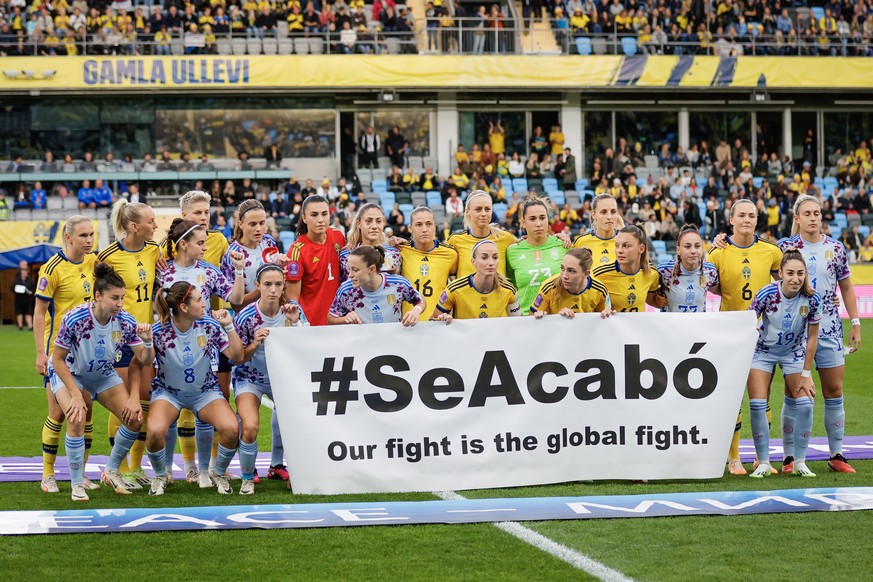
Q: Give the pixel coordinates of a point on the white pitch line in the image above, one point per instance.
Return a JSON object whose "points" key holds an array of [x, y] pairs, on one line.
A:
{"points": [[541, 542], [22, 387]]}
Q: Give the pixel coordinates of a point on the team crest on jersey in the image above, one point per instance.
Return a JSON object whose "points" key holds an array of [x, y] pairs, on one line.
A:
{"points": [[829, 255], [804, 310], [702, 281], [389, 264], [100, 352], [86, 287], [424, 270], [201, 341], [747, 273], [786, 322], [392, 299], [554, 254], [142, 276], [538, 255], [336, 247], [201, 279], [116, 337], [631, 298]]}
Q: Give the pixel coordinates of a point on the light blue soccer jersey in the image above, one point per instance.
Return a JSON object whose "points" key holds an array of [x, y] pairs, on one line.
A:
{"points": [[184, 360], [249, 320], [783, 321], [827, 265], [94, 348], [381, 306], [206, 277], [254, 258], [686, 292]]}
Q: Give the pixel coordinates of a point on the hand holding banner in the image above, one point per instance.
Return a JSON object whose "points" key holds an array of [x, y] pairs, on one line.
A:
{"points": [[509, 402]]}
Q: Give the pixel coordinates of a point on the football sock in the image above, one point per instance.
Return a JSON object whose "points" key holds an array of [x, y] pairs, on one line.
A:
{"points": [[124, 439], [760, 430], [76, 457], [789, 418], [248, 454], [51, 438], [835, 423], [803, 427]]}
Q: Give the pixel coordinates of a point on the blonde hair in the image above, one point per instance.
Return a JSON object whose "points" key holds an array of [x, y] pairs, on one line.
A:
{"points": [[192, 197], [801, 200], [354, 240], [124, 214], [619, 221], [72, 223], [470, 196], [499, 278]]}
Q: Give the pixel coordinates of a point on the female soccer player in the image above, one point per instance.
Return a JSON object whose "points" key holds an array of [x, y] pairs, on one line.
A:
{"points": [[371, 296], [426, 262], [251, 239], [605, 220], [631, 281], [477, 222], [368, 228], [828, 270], [745, 264], [64, 281], [185, 340], [531, 261], [185, 248], [88, 341], [194, 206], [689, 276], [485, 293], [790, 312], [134, 256], [573, 290], [251, 380]]}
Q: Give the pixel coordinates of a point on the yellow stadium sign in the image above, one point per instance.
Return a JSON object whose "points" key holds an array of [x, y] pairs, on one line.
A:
{"points": [[216, 73]]}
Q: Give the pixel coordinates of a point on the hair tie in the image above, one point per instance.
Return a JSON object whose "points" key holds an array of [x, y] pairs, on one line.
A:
{"points": [[481, 242], [187, 232], [186, 293], [268, 267]]}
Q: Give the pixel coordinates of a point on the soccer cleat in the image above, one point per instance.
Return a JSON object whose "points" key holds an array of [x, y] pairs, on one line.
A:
{"points": [[49, 484], [130, 482], [89, 484], [773, 470], [735, 467], [170, 477], [79, 493], [191, 474], [222, 483], [115, 480], [158, 484], [837, 463], [205, 480], [247, 487], [788, 465], [801, 470], [278, 472], [140, 475], [763, 470], [257, 479]]}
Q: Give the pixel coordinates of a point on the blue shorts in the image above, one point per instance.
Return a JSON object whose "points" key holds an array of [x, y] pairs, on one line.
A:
{"points": [[95, 385], [122, 360], [830, 353], [767, 363], [243, 386], [193, 401]]}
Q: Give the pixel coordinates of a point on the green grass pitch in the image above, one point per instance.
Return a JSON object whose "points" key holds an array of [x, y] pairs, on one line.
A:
{"points": [[771, 547]]}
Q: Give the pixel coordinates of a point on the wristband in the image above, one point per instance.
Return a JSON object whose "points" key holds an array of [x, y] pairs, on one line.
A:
{"points": [[856, 322], [148, 345], [806, 374], [240, 273], [229, 328]]}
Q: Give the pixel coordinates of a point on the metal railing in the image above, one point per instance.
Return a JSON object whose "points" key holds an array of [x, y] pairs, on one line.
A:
{"points": [[469, 35]]}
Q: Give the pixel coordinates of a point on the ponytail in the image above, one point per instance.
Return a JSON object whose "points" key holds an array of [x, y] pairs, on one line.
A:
{"points": [[584, 256], [372, 256], [124, 214], [167, 301], [180, 230]]}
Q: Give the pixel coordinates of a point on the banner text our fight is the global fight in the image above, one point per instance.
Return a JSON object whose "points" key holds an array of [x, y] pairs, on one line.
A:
{"points": [[509, 402]]}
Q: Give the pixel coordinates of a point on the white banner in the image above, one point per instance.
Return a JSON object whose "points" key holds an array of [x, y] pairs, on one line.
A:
{"points": [[509, 402]]}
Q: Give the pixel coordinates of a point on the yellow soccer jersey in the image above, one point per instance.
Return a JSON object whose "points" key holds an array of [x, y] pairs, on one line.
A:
{"points": [[602, 249], [627, 292], [429, 272], [464, 243], [137, 268], [65, 285], [743, 271], [464, 301], [552, 297]]}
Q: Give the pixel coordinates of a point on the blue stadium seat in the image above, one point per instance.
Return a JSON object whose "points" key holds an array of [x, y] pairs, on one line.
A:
{"points": [[519, 185], [557, 197], [582, 184], [840, 219], [701, 183], [758, 181], [629, 45], [829, 184], [818, 12], [864, 230], [659, 247], [583, 45], [287, 238], [407, 209], [434, 198], [387, 201], [550, 184], [584, 193], [836, 231], [379, 186], [500, 210]]}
